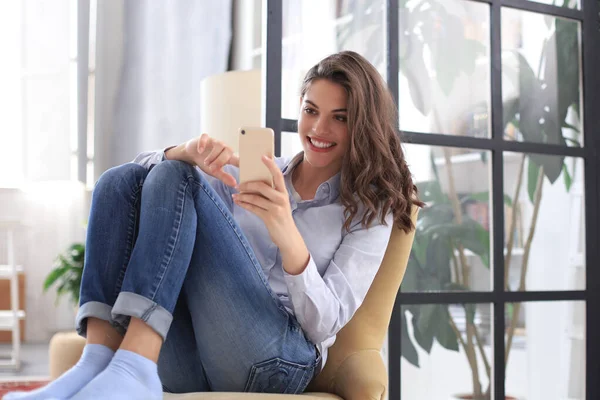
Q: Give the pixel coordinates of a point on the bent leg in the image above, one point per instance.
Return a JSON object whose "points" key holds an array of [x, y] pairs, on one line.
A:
{"points": [[245, 338], [111, 236]]}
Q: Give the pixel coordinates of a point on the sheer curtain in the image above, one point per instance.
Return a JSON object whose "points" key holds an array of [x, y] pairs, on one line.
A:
{"points": [[144, 85], [151, 57]]}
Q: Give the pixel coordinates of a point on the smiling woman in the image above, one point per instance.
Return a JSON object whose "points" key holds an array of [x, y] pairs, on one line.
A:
{"points": [[251, 282]]}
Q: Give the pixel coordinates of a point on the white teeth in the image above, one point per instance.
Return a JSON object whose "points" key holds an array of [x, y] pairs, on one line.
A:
{"points": [[321, 145]]}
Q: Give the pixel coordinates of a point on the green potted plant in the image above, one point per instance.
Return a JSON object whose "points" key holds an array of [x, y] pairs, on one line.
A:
{"points": [[66, 274]]}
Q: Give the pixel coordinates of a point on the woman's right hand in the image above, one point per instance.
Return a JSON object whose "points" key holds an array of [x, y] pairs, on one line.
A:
{"points": [[211, 155]]}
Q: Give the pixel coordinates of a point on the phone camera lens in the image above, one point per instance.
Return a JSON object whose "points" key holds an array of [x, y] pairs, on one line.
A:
{"points": [[243, 132]]}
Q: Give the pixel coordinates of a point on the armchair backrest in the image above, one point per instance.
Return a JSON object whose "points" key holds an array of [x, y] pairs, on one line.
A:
{"points": [[368, 327]]}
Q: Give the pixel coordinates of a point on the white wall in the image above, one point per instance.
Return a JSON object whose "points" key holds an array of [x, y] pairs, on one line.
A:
{"points": [[55, 217]]}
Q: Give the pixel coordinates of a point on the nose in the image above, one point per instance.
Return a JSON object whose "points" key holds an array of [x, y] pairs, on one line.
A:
{"points": [[321, 126]]}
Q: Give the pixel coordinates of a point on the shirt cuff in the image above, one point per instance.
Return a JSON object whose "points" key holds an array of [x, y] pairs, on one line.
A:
{"points": [[164, 153], [299, 284]]}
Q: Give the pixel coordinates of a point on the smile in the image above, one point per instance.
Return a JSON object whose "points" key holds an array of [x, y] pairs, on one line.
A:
{"points": [[321, 144]]}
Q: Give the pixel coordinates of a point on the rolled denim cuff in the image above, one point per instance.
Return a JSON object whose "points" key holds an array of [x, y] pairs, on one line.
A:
{"points": [[133, 305], [92, 309]]}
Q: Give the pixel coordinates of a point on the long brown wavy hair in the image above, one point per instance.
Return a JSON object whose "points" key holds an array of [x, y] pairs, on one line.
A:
{"points": [[374, 170]]}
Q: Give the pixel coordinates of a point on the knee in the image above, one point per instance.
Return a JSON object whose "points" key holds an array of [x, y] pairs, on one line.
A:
{"points": [[171, 171], [121, 178]]}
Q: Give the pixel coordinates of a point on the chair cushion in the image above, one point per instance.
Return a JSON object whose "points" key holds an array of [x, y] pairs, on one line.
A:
{"points": [[249, 396]]}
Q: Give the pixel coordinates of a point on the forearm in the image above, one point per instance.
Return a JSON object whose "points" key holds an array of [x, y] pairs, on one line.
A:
{"points": [[294, 254], [178, 153]]}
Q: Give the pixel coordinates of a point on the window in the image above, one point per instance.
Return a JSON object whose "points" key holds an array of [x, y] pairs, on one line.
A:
{"points": [[491, 95], [39, 100]]}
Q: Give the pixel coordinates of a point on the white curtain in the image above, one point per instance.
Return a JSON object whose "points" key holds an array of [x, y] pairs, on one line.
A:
{"points": [[151, 57]]}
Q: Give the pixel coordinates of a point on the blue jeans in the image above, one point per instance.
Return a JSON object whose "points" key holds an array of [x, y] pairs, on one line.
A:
{"points": [[163, 247]]}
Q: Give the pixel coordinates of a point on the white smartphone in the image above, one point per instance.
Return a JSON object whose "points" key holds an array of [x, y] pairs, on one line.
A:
{"points": [[253, 144]]}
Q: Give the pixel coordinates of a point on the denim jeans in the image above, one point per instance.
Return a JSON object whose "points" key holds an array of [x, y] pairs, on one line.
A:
{"points": [[163, 247]]}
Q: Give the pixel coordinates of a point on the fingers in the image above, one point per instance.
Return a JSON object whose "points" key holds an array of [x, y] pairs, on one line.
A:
{"points": [[258, 211], [234, 160], [203, 143], [261, 187], [278, 180], [218, 157], [226, 178], [252, 199]]}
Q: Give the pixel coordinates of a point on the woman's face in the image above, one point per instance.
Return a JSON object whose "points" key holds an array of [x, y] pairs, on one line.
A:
{"points": [[323, 124]]}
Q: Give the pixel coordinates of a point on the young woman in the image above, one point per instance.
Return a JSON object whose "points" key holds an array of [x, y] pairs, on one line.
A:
{"points": [[191, 285]]}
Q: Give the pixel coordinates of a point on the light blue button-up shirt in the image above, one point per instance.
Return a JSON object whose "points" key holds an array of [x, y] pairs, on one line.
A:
{"points": [[342, 264]]}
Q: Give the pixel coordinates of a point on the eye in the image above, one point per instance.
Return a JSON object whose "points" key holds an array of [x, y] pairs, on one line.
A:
{"points": [[341, 118], [309, 110]]}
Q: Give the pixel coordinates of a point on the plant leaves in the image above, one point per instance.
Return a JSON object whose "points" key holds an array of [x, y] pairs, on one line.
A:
{"points": [[419, 249], [572, 127], [470, 312], [566, 36], [409, 352], [439, 253], [54, 275], [552, 165], [434, 215], [445, 336], [424, 338], [427, 317], [474, 237], [532, 176], [431, 191], [567, 177], [470, 234], [67, 273]]}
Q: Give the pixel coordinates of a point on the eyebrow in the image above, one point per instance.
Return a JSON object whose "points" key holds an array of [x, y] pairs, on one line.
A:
{"points": [[316, 106]]}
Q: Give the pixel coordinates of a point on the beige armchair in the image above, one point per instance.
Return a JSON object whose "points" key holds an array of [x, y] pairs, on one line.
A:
{"points": [[355, 369]]}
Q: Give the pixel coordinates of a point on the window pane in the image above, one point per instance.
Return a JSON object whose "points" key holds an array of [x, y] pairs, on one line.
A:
{"points": [[314, 29], [11, 95], [541, 78], [446, 351], [290, 144], [574, 4], [451, 250], [546, 350], [444, 67], [47, 128], [545, 222]]}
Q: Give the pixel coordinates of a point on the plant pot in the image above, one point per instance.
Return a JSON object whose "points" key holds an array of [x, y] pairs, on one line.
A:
{"points": [[465, 396]]}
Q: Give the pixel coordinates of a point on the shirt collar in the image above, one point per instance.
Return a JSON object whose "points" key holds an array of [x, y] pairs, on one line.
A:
{"points": [[329, 189]]}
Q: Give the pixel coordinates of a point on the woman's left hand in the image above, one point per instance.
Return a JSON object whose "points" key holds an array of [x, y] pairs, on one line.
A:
{"points": [[271, 204]]}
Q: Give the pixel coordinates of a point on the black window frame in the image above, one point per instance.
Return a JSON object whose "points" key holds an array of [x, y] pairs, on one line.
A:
{"points": [[589, 17]]}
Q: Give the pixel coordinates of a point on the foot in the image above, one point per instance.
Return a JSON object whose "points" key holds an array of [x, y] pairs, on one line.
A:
{"points": [[94, 359], [129, 376]]}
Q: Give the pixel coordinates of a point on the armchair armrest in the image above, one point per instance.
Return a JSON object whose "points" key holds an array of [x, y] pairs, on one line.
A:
{"points": [[361, 376]]}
